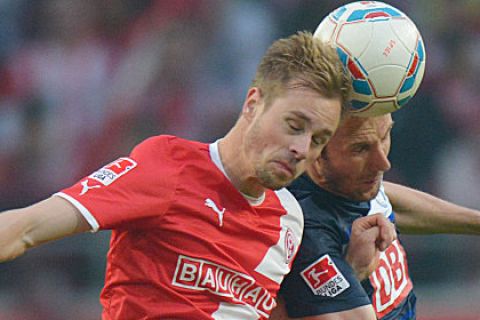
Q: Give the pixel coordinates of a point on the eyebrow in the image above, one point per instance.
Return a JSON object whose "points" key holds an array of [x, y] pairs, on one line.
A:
{"points": [[301, 115], [388, 130], [355, 140], [324, 132]]}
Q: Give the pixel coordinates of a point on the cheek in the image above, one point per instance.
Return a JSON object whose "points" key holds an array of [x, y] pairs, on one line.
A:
{"points": [[301, 167], [350, 169], [314, 154], [257, 136], [275, 138]]}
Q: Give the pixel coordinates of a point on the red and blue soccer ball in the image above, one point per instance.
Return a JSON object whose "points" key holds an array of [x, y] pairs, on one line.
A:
{"points": [[383, 51]]}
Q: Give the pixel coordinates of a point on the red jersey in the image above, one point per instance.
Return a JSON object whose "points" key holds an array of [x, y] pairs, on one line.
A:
{"points": [[185, 243]]}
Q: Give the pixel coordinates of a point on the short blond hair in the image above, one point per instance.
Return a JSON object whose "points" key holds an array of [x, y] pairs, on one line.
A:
{"points": [[303, 61]]}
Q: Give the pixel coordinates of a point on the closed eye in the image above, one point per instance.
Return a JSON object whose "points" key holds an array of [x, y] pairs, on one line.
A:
{"points": [[294, 126]]}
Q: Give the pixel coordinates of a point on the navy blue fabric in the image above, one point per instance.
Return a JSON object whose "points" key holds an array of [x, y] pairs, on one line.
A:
{"points": [[328, 222]]}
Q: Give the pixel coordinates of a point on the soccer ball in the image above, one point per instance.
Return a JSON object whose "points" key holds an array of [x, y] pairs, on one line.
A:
{"points": [[383, 51]]}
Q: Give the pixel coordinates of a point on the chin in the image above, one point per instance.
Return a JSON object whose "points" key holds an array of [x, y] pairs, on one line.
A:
{"points": [[273, 181], [279, 184], [276, 184], [371, 194], [364, 195]]}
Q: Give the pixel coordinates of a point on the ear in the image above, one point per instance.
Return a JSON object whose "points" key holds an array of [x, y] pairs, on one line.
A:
{"points": [[253, 103]]}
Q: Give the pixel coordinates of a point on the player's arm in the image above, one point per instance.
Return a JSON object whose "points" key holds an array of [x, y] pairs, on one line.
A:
{"points": [[420, 212], [51, 219], [360, 313]]}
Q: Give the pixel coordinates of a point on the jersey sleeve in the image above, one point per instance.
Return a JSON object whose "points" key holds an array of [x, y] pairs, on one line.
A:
{"points": [[129, 191], [321, 281]]}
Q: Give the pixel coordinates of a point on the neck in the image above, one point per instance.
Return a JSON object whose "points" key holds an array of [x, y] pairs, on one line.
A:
{"points": [[312, 172], [315, 173], [237, 165]]}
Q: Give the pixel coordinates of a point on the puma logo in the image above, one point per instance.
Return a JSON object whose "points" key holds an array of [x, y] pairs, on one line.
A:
{"points": [[86, 187], [209, 203]]}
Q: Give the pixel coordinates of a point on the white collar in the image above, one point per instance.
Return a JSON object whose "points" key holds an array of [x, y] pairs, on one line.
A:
{"points": [[215, 156]]}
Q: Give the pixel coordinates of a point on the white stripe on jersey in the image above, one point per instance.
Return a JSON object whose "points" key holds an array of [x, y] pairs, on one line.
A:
{"points": [[381, 204], [84, 211], [229, 311], [274, 264]]}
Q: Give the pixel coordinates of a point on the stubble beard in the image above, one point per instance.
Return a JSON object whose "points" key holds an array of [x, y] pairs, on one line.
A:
{"points": [[337, 184], [331, 184], [268, 179], [369, 195]]}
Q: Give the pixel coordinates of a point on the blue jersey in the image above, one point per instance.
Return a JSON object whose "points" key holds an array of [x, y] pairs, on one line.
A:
{"points": [[321, 281]]}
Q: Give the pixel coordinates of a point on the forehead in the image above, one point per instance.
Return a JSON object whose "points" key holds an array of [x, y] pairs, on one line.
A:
{"points": [[356, 129], [309, 106]]}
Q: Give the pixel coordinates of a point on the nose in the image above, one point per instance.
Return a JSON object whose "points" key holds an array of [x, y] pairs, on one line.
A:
{"points": [[300, 146], [380, 160]]}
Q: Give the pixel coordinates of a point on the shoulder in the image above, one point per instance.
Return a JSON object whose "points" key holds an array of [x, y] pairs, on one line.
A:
{"points": [[302, 187], [317, 206], [288, 201], [327, 218], [170, 147], [167, 143], [294, 211]]}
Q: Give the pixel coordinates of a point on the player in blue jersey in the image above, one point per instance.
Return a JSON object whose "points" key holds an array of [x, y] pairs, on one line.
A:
{"points": [[344, 184]]}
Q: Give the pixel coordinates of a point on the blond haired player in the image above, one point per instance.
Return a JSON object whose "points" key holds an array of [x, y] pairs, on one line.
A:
{"points": [[206, 231]]}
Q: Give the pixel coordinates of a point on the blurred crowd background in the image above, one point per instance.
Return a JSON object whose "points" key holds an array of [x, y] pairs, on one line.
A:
{"points": [[81, 82]]}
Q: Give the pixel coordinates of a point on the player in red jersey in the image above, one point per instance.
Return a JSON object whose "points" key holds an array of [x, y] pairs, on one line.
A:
{"points": [[206, 231]]}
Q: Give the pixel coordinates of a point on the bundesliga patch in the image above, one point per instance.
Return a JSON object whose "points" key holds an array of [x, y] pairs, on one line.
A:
{"points": [[324, 278], [108, 174], [113, 171]]}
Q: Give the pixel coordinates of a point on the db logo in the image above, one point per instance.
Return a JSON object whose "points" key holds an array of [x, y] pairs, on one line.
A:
{"points": [[390, 281], [324, 278]]}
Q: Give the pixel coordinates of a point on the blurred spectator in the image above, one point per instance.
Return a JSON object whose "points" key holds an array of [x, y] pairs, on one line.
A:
{"points": [[60, 77]]}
